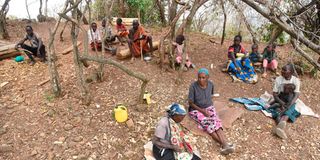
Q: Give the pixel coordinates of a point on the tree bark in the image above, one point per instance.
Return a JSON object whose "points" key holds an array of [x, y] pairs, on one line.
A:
{"points": [[224, 22], [27, 7], [63, 28], [54, 75], [76, 58], [304, 54], [243, 17], [104, 38], [84, 19], [166, 34], [3, 23], [172, 15], [45, 8], [284, 25], [186, 24], [161, 12], [276, 32], [40, 8], [305, 8], [41, 17], [122, 8]]}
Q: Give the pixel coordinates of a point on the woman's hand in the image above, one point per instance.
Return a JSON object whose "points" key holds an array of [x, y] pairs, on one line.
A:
{"points": [[205, 113], [176, 148]]}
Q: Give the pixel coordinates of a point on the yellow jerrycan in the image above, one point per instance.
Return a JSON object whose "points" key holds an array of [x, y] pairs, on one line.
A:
{"points": [[120, 113]]}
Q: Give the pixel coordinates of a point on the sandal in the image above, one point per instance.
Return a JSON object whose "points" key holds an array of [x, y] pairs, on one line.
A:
{"points": [[228, 150], [282, 124], [280, 133]]}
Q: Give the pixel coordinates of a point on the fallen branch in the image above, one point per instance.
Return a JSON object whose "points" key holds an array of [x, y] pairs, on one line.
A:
{"points": [[123, 68], [7, 47], [43, 82]]}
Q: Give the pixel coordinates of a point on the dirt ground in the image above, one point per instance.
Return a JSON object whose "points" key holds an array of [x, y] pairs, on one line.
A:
{"points": [[36, 125]]}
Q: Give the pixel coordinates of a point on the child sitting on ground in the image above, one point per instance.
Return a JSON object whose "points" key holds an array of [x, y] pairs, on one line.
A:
{"points": [[255, 56], [270, 59], [180, 50], [286, 97]]}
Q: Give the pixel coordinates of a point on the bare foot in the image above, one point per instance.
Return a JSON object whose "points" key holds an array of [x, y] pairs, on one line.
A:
{"points": [[264, 75]]}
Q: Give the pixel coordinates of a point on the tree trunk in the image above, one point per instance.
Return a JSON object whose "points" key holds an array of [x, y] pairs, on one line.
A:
{"points": [[304, 54], [284, 25], [77, 62], [275, 33], [224, 22], [104, 38], [3, 24], [40, 8], [166, 34], [63, 28], [253, 34], [27, 7], [173, 13], [54, 75], [45, 8], [84, 19], [122, 9], [186, 24], [40, 17], [161, 12]]}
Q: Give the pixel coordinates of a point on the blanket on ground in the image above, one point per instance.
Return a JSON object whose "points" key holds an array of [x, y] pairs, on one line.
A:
{"points": [[256, 104]]}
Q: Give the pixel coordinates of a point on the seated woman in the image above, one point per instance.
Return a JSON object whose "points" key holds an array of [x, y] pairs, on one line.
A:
{"points": [[170, 141], [239, 65], [201, 109], [179, 46]]}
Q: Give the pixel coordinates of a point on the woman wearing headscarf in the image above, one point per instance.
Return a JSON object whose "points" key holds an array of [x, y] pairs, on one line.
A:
{"points": [[170, 140], [239, 65], [201, 109]]}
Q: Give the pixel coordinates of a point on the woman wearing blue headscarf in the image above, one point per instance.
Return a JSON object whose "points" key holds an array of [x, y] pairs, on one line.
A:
{"points": [[201, 109], [171, 141]]}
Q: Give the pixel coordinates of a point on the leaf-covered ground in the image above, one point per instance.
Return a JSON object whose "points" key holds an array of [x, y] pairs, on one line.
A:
{"points": [[35, 125]]}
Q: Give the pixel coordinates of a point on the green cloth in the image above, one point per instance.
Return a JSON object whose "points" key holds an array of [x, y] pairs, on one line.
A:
{"points": [[292, 113], [269, 55]]}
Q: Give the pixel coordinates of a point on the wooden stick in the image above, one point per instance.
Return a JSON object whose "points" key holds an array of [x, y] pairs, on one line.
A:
{"points": [[141, 54], [43, 82]]}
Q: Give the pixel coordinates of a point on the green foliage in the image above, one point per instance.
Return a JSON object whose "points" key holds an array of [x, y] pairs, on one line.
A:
{"points": [[49, 97], [97, 9], [267, 31], [146, 8]]}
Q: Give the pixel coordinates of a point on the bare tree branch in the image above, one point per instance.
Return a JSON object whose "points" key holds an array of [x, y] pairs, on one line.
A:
{"points": [[304, 54], [286, 27], [123, 68], [251, 31]]}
